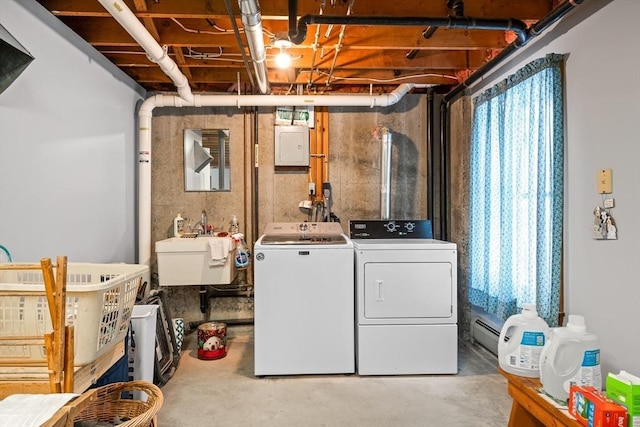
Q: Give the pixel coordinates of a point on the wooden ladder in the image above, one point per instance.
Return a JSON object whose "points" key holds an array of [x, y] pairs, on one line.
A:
{"points": [[59, 343]]}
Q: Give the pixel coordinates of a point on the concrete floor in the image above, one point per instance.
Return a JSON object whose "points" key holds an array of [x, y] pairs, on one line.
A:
{"points": [[224, 392]]}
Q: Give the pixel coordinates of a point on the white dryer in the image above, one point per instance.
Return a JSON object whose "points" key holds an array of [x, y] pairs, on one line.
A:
{"points": [[406, 299]]}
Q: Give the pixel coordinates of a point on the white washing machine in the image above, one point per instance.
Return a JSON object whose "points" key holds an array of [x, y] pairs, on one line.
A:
{"points": [[406, 297], [304, 300]]}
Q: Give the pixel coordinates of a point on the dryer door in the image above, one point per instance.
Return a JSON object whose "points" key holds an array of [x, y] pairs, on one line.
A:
{"points": [[408, 290]]}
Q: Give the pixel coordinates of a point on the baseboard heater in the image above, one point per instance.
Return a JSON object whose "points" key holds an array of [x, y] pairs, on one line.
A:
{"points": [[484, 334]]}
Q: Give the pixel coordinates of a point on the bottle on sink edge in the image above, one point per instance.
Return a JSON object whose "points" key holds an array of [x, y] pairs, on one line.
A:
{"points": [[178, 226], [234, 227], [203, 222]]}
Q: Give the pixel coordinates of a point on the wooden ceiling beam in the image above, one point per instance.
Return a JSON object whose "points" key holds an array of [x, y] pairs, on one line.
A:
{"points": [[152, 75], [106, 32], [373, 59], [141, 6], [524, 10]]}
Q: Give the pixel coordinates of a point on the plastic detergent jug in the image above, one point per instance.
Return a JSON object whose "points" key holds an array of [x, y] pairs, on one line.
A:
{"points": [[521, 341], [571, 356]]}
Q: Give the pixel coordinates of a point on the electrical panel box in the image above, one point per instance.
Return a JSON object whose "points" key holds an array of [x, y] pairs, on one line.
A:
{"points": [[292, 146]]}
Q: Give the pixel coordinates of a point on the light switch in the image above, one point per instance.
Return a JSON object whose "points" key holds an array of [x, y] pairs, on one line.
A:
{"points": [[605, 184]]}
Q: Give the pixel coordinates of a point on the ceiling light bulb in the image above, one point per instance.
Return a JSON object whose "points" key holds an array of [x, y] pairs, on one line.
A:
{"points": [[283, 59]]}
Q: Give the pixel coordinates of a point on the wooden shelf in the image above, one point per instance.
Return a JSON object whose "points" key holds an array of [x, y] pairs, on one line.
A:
{"points": [[530, 408]]}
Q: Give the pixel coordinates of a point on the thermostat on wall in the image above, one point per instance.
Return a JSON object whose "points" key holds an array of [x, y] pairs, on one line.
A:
{"points": [[292, 146]]}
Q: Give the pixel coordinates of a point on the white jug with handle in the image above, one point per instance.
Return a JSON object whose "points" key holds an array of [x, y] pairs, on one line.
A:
{"points": [[521, 341], [571, 356]]}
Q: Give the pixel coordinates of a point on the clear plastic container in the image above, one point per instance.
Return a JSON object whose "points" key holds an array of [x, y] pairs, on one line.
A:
{"points": [[571, 356], [235, 226], [521, 341]]}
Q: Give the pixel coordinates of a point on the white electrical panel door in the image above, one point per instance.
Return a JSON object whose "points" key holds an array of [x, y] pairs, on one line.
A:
{"points": [[408, 290], [292, 146]]}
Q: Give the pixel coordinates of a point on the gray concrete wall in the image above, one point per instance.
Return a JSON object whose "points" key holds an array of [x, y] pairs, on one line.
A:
{"points": [[353, 170]]}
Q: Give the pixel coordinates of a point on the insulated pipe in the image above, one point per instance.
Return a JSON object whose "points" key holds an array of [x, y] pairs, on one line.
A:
{"points": [[146, 113], [252, 23], [299, 33], [199, 100], [156, 53], [385, 169]]}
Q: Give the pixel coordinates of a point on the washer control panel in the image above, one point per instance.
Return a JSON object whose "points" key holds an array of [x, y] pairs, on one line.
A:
{"points": [[391, 229]]}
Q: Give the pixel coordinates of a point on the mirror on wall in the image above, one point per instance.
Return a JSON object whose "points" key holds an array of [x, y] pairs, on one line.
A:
{"points": [[207, 166]]}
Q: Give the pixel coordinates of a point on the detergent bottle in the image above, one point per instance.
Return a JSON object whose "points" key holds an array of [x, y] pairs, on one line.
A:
{"points": [[521, 341], [571, 356], [178, 226]]}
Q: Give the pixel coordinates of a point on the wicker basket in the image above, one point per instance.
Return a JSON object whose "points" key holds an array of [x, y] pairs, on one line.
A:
{"points": [[109, 405]]}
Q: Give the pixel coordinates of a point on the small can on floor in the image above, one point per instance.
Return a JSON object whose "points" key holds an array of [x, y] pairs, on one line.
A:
{"points": [[212, 340]]}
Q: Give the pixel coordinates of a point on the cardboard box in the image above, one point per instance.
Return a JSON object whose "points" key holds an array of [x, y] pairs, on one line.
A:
{"points": [[624, 389], [593, 409]]}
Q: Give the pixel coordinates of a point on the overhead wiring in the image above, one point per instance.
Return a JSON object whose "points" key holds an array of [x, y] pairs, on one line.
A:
{"points": [[374, 80], [219, 30]]}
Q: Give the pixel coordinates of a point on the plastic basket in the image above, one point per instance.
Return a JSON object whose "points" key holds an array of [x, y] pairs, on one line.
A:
{"points": [[100, 299], [109, 405]]}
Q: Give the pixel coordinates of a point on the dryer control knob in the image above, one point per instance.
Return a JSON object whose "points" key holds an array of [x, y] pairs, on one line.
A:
{"points": [[410, 226], [391, 226]]}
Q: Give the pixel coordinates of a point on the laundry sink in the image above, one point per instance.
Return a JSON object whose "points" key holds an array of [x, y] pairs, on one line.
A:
{"points": [[203, 260]]}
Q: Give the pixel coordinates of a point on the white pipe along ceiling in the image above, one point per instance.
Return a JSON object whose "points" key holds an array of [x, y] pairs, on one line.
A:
{"points": [[185, 98]]}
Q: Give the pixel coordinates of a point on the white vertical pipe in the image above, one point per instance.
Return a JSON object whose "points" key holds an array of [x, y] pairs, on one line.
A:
{"points": [[385, 179], [144, 181]]}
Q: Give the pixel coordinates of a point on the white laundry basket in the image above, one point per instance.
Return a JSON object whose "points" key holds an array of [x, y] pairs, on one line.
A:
{"points": [[100, 299]]}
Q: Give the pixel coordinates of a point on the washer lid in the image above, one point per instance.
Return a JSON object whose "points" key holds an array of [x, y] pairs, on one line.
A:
{"points": [[306, 239]]}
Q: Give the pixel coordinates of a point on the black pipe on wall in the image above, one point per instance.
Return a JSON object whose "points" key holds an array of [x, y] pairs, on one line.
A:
{"points": [[299, 33], [431, 105]]}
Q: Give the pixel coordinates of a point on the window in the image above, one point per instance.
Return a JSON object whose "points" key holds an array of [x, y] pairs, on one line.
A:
{"points": [[516, 193]]}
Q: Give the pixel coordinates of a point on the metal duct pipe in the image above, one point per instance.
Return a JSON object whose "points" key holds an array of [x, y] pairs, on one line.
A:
{"points": [[299, 33], [385, 178], [156, 53], [252, 23]]}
